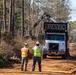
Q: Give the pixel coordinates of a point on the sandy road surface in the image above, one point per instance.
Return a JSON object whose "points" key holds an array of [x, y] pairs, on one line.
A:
{"points": [[49, 67]]}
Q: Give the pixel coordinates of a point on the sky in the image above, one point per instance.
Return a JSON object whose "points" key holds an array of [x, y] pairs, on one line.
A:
{"points": [[73, 12]]}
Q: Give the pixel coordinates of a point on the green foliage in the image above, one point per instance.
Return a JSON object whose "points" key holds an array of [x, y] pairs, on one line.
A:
{"points": [[72, 30], [7, 50], [1, 53], [57, 8], [1, 7], [7, 36], [18, 3], [17, 18], [17, 47], [1, 12], [10, 53], [3, 60]]}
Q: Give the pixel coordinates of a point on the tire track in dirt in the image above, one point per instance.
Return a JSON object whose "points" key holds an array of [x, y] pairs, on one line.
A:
{"points": [[49, 67]]}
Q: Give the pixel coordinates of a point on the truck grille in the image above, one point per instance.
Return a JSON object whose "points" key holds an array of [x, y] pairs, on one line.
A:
{"points": [[53, 46]]}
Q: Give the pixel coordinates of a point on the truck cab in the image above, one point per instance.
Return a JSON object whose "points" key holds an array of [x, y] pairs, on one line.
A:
{"points": [[56, 39]]}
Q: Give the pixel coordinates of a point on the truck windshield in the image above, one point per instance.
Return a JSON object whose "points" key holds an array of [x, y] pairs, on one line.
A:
{"points": [[54, 37]]}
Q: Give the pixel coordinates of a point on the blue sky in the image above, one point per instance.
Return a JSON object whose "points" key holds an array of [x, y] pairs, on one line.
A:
{"points": [[73, 7]]}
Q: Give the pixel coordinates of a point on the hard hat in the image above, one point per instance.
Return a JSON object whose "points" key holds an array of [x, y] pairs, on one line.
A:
{"points": [[25, 44], [37, 42]]}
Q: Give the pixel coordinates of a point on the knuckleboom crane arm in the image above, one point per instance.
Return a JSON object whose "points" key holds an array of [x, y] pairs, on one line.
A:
{"points": [[42, 17]]}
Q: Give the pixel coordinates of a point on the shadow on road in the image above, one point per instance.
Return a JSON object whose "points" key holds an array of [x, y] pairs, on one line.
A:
{"points": [[72, 58]]}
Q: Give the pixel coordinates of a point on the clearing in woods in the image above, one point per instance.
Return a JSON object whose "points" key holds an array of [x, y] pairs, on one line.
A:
{"points": [[50, 66]]}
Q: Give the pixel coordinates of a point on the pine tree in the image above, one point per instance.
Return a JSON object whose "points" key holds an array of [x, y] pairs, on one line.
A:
{"points": [[22, 20], [4, 14]]}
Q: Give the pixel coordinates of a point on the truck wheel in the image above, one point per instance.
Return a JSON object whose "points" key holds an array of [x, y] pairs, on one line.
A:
{"points": [[44, 56], [63, 57]]}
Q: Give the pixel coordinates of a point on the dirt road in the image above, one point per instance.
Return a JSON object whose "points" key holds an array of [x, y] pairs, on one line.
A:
{"points": [[49, 67]]}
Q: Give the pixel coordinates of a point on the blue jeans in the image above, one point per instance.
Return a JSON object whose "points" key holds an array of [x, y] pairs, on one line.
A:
{"points": [[24, 63], [36, 59]]}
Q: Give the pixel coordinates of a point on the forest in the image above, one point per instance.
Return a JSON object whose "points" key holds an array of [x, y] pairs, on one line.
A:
{"points": [[17, 17]]}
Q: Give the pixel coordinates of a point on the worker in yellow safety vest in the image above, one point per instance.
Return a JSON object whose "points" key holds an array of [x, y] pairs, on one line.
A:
{"points": [[25, 53], [37, 53]]}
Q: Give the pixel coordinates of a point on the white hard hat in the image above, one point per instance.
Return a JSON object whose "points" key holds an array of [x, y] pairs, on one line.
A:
{"points": [[25, 44], [37, 42]]}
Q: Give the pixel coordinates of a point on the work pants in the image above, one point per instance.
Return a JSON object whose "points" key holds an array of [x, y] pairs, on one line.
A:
{"points": [[24, 63], [36, 59]]}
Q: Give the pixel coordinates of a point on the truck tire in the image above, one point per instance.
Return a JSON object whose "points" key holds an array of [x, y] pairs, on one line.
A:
{"points": [[63, 57], [44, 56], [67, 53]]}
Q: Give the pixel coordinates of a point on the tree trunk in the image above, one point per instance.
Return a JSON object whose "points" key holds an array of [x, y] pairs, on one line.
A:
{"points": [[0, 34], [13, 18], [22, 20], [4, 14], [29, 13], [10, 17]]}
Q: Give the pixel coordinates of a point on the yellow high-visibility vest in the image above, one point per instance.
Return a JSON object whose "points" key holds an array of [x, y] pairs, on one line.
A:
{"points": [[37, 52], [24, 52]]}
